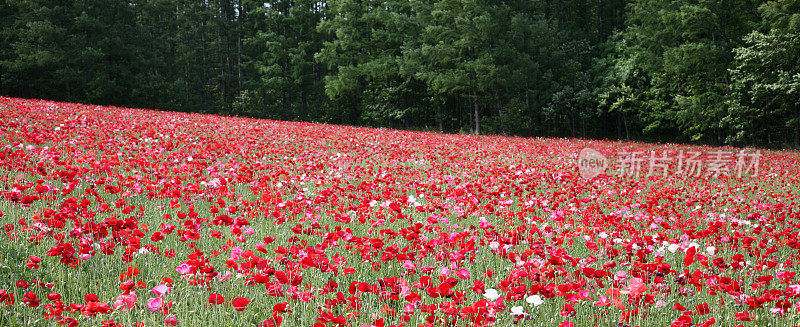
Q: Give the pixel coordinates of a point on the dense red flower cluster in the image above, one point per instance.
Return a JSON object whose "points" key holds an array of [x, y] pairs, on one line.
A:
{"points": [[373, 227]]}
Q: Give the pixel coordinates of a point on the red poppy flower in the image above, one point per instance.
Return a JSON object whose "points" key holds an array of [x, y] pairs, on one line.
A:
{"points": [[171, 320], [240, 303], [215, 298], [689, 258], [31, 299], [91, 297], [281, 307], [702, 309], [6, 297], [22, 284], [743, 316]]}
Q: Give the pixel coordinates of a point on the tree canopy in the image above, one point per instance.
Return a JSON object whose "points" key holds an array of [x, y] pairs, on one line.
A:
{"points": [[711, 71]]}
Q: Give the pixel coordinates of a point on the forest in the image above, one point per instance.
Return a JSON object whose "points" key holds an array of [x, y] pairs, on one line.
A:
{"points": [[717, 72]]}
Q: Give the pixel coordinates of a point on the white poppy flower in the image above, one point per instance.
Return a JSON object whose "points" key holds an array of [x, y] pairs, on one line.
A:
{"points": [[672, 248], [491, 294], [535, 300], [711, 250]]}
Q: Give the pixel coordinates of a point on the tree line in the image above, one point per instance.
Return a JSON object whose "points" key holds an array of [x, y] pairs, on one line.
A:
{"points": [[697, 71]]}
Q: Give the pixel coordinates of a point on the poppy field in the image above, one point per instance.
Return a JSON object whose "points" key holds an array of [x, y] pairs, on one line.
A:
{"points": [[129, 217]]}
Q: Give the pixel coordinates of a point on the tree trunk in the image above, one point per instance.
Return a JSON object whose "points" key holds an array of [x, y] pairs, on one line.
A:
{"points": [[439, 117], [600, 35], [769, 137], [528, 107], [460, 115], [625, 123], [222, 56], [500, 112], [285, 99], [286, 73], [797, 135], [203, 62], [476, 114], [303, 105], [468, 111], [239, 19]]}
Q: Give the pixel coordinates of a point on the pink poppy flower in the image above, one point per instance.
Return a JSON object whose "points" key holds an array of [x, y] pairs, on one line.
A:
{"points": [[183, 268], [125, 302], [171, 320], [635, 287], [154, 304], [161, 290]]}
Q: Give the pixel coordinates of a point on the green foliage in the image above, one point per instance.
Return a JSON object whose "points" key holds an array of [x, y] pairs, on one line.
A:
{"points": [[670, 67], [711, 71], [280, 42], [766, 93]]}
